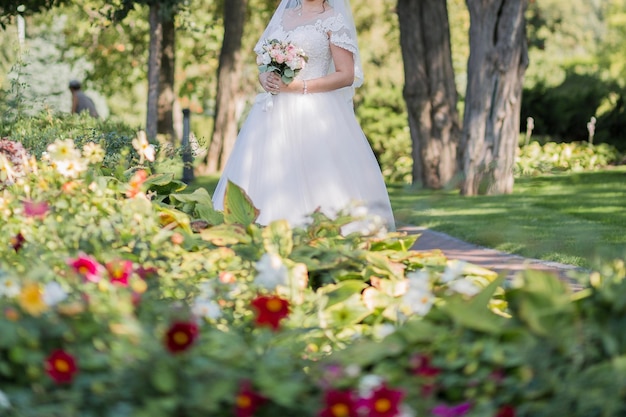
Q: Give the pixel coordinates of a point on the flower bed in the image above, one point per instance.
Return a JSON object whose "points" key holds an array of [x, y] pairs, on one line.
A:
{"points": [[122, 295]]}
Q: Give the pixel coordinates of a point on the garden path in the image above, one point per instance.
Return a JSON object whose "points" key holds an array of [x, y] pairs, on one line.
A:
{"points": [[494, 260]]}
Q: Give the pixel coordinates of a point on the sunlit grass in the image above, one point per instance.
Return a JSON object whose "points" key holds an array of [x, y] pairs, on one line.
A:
{"points": [[578, 219]]}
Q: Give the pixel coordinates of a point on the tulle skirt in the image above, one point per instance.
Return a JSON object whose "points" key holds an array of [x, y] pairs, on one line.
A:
{"points": [[296, 153]]}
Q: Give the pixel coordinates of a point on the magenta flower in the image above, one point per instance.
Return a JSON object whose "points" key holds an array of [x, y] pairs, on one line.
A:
{"points": [[119, 271], [339, 404], [35, 209], [87, 267], [384, 402], [421, 365], [459, 410]]}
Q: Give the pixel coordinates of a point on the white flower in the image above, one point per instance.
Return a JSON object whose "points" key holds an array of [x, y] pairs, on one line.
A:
{"points": [[9, 287], [209, 309], [53, 294], [143, 147], [71, 168], [4, 401], [93, 152], [368, 384], [453, 270], [207, 289], [61, 150], [272, 272], [383, 330], [464, 286], [419, 297]]}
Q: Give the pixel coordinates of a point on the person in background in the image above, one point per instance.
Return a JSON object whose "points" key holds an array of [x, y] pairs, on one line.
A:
{"points": [[80, 101]]}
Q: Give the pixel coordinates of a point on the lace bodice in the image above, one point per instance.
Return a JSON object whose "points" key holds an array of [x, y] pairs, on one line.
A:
{"points": [[313, 38]]}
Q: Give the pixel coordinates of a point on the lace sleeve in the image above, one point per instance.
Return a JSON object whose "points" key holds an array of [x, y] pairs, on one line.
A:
{"points": [[340, 34]]}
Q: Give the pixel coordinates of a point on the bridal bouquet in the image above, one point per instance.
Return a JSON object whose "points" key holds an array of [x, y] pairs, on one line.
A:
{"points": [[284, 58]]}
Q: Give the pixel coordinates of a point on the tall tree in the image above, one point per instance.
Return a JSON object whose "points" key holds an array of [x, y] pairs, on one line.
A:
{"points": [[429, 90], [167, 94], [228, 89], [491, 122]]}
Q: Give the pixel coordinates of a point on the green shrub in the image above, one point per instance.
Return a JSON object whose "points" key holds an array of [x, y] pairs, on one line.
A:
{"points": [[535, 158], [36, 133]]}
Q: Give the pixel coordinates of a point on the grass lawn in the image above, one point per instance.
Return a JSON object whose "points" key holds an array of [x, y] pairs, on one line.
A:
{"points": [[578, 219]]}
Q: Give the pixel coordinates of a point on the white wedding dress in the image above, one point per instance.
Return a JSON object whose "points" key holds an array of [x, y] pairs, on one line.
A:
{"points": [[299, 152]]}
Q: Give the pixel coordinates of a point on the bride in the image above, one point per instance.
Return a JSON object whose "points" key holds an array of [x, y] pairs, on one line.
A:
{"points": [[301, 147]]}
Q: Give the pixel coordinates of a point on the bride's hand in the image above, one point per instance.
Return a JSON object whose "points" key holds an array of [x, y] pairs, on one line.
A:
{"points": [[270, 81]]}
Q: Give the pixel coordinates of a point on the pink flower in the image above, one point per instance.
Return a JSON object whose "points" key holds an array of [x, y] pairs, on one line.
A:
{"points": [[459, 410], [87, 267], [34, 209], [421, 366], [339, 404], [384, 402], [119, 271]]}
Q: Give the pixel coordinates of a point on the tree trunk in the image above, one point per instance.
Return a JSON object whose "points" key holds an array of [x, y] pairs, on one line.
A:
{"points": [[165, 123], [228, 87], [496, 67], [154, 68], [429, 91]]}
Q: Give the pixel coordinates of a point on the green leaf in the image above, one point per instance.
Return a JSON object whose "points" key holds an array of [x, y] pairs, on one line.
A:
{"points": [[226, 234], [238, 207], [474, 313], [163, 377], [340, 292], [278, 238]]}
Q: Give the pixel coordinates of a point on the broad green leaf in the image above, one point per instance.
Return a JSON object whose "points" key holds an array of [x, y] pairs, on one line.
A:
{"points": [[172, 218], [278, 238], [163, 377], [238, 207], [226, 234], [474, 313], [342, 291]]}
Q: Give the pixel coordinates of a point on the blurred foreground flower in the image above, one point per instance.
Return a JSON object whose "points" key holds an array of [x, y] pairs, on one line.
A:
{"points": [[339, 404], [31, 299], [180, 336], [61, 366], [247, 401], [87, 267], [270, 310]]}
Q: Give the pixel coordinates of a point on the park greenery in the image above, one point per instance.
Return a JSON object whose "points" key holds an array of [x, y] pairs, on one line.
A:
{"points": [[575, 71], [124, 293]]}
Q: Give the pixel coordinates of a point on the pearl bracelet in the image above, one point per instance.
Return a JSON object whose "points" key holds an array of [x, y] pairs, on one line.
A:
{"points": [[304, 89]]}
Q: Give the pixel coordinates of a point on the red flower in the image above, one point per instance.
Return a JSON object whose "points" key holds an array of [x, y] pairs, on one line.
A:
{"points": [[17, 241], [61, 366], [271, 310], [87, 267], [120, 271], [384, 402], [421, 366], [506, 411], [180, 336], [339, 404], [34, 209], [247, 401]]}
